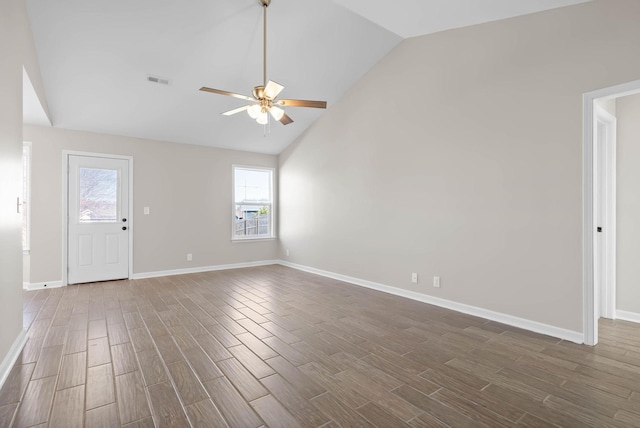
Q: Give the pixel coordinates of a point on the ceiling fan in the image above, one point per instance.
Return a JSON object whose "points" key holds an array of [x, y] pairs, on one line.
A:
{"points": [[264, 96]]}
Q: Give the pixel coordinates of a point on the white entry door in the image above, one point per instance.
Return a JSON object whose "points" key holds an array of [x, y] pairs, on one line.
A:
{"points": [[98, 215]]}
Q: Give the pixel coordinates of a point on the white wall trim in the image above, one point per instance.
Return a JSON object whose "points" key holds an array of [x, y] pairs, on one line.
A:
{"points": [[30, 286], [12, 356], [627, 316], [561, 333], [589, 326], [201, 269]]}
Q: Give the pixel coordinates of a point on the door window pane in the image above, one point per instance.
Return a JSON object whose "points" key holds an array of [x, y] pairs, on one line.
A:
{"points": [[98, 199]]}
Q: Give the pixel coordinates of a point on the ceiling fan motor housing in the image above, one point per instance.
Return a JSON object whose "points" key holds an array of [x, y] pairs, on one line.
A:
{"points": [[258, 92]]}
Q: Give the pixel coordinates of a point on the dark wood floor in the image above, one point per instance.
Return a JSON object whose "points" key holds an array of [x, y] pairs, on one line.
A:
{"points": [[278, 347]]}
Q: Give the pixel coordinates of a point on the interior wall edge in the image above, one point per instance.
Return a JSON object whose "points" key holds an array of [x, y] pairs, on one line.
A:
{"points": [[12, 356]]}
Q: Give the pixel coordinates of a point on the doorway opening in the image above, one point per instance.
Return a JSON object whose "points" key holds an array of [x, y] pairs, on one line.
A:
{"points": [[599, 208], [604, 202]]}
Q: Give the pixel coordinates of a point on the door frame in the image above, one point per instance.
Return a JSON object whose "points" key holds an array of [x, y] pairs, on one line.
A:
{"points": [[590, 322], [65, 207], [605, 292]]}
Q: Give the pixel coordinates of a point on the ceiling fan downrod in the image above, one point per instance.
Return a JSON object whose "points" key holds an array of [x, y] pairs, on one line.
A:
{"points": [[265, 4]]}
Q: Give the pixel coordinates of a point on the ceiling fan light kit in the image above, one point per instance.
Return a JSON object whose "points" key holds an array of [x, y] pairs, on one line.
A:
{"points": [[264, 96]]}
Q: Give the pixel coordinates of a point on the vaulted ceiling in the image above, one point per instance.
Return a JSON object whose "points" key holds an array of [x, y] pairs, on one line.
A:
{"points": [[95, 58]]}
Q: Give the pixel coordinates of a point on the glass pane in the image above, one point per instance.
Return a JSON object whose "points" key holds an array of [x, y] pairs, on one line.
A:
{"points": [[252, 185], [98, 190], [253, 220]]}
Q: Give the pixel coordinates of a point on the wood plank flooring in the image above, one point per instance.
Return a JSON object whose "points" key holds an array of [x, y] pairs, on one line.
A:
{"points": [[272, 346]]}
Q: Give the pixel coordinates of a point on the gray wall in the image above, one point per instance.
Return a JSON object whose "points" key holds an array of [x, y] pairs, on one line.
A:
{"points": [[628, 201], [12, 47], [459, 155], [187, 188]]}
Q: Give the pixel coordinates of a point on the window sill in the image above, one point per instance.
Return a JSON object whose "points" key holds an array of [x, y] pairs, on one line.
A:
{"points": [[240, 240]]}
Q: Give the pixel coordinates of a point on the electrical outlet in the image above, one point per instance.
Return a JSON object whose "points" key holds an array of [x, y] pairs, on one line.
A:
{"points": [[436, 281], [189, 257], [287, 251], [414, 277]]}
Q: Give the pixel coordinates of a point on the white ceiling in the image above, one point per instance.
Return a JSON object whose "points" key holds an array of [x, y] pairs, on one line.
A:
{"points": [[95, 57], [410, 18]]}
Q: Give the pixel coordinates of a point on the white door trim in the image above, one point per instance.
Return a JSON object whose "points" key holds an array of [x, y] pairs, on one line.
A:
{"points": [[65, 207], [590, 323]]}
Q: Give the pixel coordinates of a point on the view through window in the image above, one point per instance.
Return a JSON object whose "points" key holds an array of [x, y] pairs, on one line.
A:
{"points": [[98, 198], [253, 202]]}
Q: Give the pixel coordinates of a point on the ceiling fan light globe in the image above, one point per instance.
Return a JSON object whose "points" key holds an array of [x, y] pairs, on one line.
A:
{"points": [[276, 112], [254, 111], [263, 118]]}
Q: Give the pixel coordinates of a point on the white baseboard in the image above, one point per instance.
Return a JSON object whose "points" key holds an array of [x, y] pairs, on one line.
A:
{"points": [[41, 285], [202, 269], [143, 275], [549, 330], [561, 333], [12, 356], [627, 316]]}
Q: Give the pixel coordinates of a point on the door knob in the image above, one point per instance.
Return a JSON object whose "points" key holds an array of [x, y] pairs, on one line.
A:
{"points": [[124, 227]]}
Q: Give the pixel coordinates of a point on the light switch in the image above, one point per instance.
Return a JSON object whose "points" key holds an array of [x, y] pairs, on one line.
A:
{"points": [[146, 210]]}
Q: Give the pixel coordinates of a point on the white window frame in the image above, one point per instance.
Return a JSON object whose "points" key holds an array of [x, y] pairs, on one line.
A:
{"points": [[25, 203], [272, 204]]}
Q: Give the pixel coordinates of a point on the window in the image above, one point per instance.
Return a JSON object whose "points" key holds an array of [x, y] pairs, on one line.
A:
{"points": [[252, 203], [98, 195], [26, 197]]}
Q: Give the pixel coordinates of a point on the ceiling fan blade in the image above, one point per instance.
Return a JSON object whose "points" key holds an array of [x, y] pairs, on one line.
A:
{"points": [[279, 115], [272, 90], [302, 103], [235, 110], [230, 94], [285, 120]]}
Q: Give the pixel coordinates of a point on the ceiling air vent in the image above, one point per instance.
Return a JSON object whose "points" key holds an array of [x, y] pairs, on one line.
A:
{"points": [[159, 80]]}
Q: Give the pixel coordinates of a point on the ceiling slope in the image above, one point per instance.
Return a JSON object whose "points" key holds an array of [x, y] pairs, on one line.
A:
{"points": [[95, 57]]}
